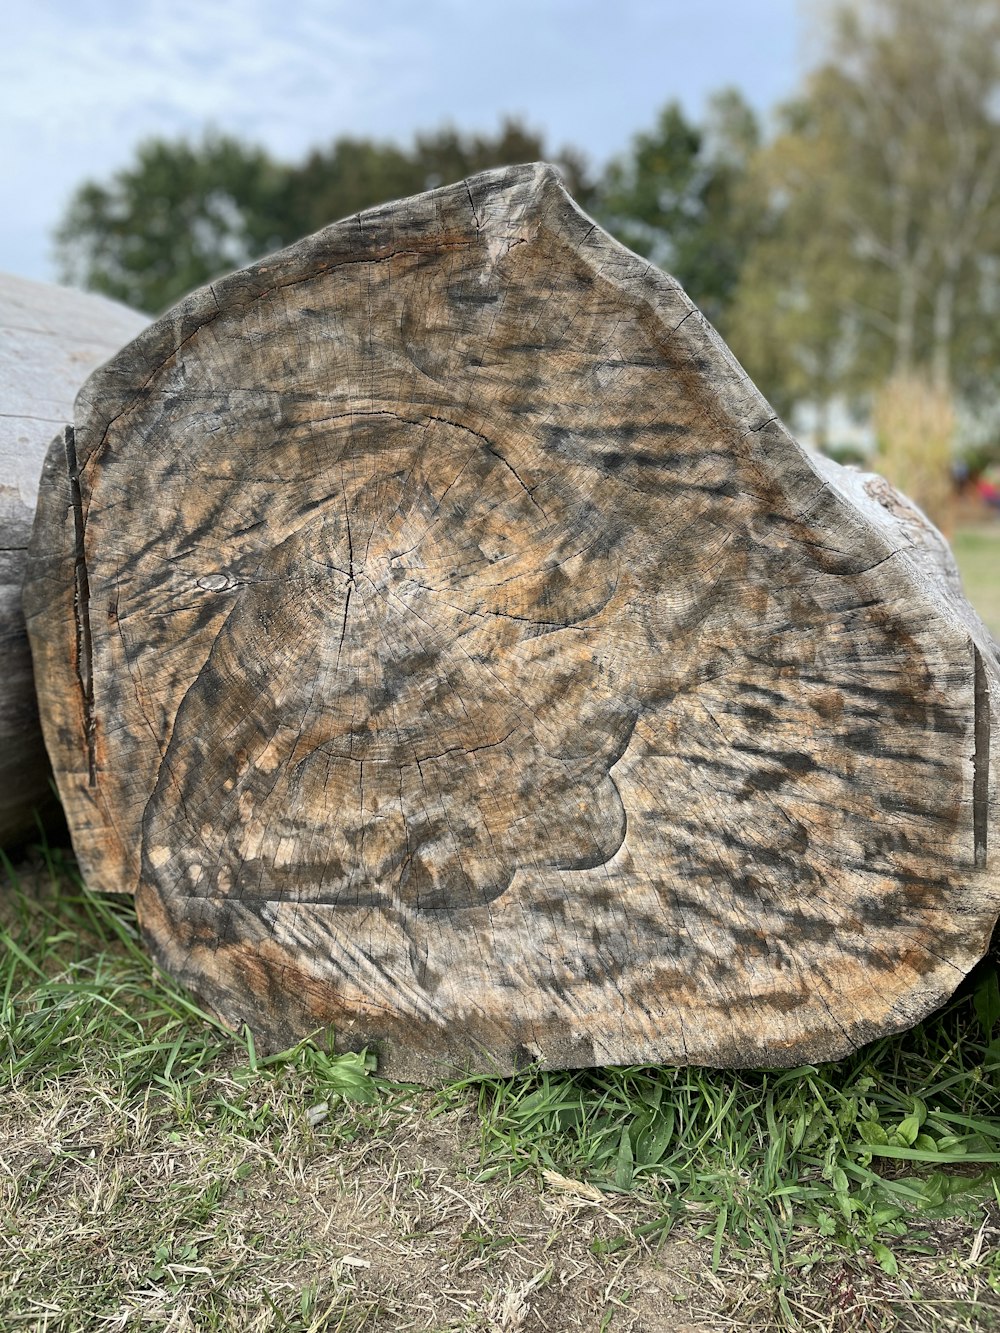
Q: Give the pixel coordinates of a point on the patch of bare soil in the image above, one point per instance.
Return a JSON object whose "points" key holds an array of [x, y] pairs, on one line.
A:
{"points": [[433, 1250], [114, 1219]]}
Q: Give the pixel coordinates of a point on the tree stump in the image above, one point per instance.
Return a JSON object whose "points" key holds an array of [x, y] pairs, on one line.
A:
{"points": [[50, 340], [441, 636]]}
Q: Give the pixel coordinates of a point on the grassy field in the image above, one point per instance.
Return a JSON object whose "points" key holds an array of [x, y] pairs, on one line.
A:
{"points": [[155, 1173], [977, 551]]}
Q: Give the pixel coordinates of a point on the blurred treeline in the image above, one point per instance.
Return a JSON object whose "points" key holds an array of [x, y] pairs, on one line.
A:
{"points": [[849, 240]]}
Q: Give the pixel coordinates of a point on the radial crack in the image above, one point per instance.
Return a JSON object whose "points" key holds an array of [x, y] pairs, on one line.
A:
{"points": [[980, 760], [81, 608]]}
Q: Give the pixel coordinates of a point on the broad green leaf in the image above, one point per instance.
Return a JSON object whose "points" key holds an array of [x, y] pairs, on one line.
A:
{"points": [[906, 1131], [886, 1258], [872, 1132]]}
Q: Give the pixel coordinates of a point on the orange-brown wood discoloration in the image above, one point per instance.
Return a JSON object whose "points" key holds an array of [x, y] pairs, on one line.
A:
{"points": [[480, 668]]}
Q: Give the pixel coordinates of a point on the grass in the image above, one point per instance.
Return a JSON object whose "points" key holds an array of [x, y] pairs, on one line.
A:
{"points": [[977, 551], [155, 1171]]}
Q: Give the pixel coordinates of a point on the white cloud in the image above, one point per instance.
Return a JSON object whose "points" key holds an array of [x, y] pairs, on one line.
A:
{"points": [[232, 62], [81, 82]]}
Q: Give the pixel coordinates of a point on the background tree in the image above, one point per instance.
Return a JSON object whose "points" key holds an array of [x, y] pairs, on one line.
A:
{"points": [[792, 320], [185, 212], [356, 173], [681, 196], [180, 215], [884, 236]]}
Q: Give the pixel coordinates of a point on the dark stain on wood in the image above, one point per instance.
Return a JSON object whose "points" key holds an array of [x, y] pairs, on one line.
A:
{"points": [[492, 677], [981, 762], [84, 654]]}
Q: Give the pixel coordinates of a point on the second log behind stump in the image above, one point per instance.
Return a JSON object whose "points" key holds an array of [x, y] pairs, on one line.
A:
{"points": [[446, 642], [51, 338]]}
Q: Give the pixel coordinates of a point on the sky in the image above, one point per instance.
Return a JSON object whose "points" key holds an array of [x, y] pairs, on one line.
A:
{"points": [[82, 81]]}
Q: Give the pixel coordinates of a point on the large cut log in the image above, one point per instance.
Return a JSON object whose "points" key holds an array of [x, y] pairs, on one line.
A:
{"points": [[441, 636], [51, 338]]}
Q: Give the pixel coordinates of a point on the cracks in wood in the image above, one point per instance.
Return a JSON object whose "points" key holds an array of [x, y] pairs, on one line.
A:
{"points": [[436, 514], [361, 799], [693, 311], [980, 760], [322, 269], [455, 749], [350, 579], [343, 628], [140, 389], [472, 205], [505, 615], [492, 449], [258, 296], [350, 540], [513, 470], [81, 609], [477, 664]]}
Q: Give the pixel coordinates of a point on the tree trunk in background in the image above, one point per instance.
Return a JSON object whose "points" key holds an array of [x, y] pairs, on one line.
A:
{"points": [[51, 338], [440, 635], [944, 328]]}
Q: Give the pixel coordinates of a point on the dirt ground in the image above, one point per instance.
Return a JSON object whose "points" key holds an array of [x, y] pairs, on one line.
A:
{"points": [[145, 1218]]}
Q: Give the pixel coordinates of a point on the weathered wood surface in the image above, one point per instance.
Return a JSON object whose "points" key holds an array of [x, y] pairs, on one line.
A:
{"points": [[51, 338], [465, 656]]}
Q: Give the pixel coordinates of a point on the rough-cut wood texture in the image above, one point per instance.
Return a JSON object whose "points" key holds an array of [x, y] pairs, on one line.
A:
{"points": [[50, 341], [464, 655]]}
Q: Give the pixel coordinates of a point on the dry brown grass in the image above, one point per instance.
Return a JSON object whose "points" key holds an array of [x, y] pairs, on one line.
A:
{"points": [[125, 1218], [915, 427]]}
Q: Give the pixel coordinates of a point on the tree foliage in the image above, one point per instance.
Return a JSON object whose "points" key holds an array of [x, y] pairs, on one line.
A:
{"points": [[860, 239], [179, 216], [790, 317], [185, 212], [680, 195], [882, 252]]}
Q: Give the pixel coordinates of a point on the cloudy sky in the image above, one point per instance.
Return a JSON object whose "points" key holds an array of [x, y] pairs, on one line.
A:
{"points": [[82, 80]]}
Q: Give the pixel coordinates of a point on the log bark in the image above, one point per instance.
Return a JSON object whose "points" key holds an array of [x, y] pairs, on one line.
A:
{"points": [[51, 339], [443, 639]]}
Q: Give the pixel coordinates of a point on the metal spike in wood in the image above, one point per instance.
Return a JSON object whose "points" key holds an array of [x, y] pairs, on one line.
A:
{"points": [[441, 636], [51, 339]]}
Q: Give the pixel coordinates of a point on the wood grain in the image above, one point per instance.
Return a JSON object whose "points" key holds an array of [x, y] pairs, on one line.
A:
{"points": [[445, 641], [51, 339]]}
